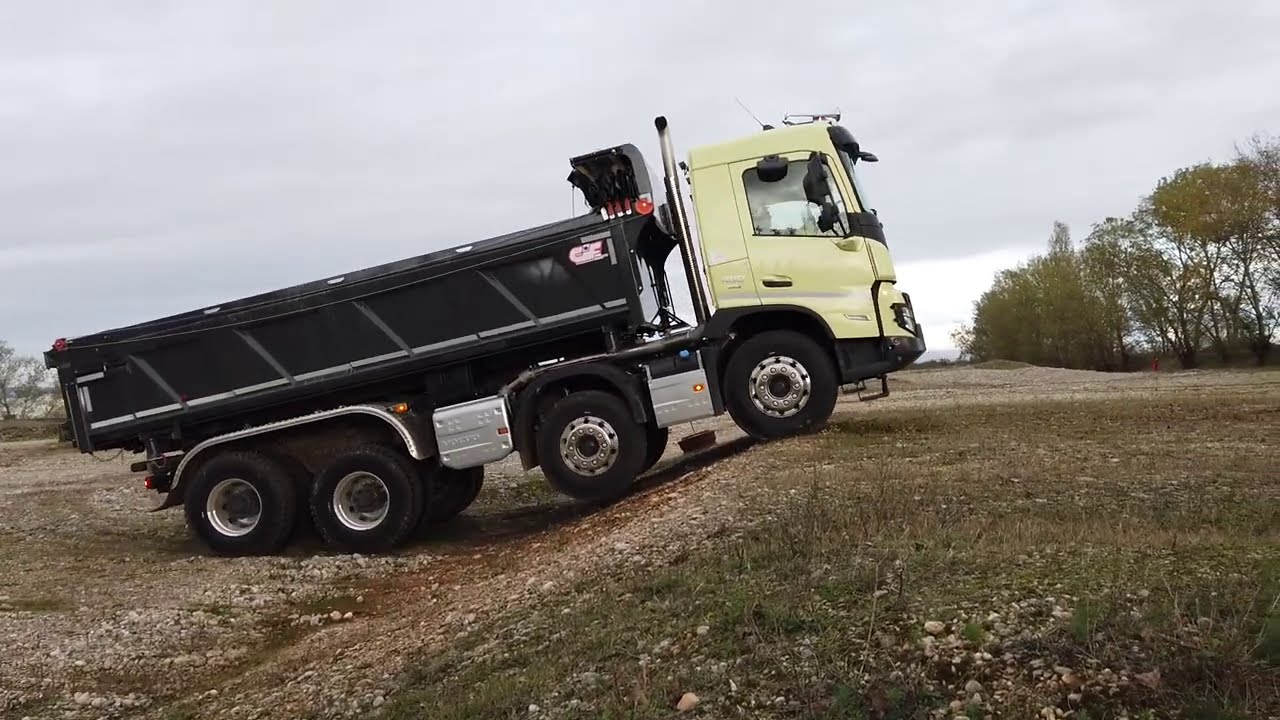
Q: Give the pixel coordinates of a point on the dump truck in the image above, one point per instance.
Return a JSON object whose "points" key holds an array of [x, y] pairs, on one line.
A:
{"points": [[369, 403]]}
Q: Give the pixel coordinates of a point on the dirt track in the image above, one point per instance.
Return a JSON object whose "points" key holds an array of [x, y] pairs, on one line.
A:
{"points": [[103, 606]]}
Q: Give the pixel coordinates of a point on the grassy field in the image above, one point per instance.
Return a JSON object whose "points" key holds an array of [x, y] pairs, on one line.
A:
{"points": [[1091, 558]]}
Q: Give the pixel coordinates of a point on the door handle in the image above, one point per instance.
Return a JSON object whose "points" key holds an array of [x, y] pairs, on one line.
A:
{"points": [[776, 281]]}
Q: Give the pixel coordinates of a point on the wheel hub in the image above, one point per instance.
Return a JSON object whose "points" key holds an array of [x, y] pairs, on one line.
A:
{"points": [[361, 501], [589, 445], [780, 386], [234, 507]]}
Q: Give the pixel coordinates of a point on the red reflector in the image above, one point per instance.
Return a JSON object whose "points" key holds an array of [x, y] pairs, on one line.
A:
{"points": [[644, 206], [149, 483], [503, 431], [60, 344]]}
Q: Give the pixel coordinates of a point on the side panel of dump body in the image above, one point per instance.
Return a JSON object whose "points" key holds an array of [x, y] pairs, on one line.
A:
{"points": [[329, 341]]}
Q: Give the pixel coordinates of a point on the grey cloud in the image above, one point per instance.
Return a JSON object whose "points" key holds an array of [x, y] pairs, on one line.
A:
{"points": [[163, 156]]}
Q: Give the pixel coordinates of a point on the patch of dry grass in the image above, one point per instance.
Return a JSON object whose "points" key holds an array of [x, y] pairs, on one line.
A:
{"points": [[1002, 365], [34, 604], [1101, 558], [19, 430]]}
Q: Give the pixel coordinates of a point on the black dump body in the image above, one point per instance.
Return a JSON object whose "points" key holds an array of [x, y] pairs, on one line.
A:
{"points": [[419, 325]]}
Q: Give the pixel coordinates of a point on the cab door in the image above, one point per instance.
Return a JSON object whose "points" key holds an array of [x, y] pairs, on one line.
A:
{"points": [[793, 261]]}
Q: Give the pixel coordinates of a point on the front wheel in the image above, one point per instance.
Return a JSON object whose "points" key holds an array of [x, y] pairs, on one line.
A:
{"points": [[590, 447], [780, 383]]}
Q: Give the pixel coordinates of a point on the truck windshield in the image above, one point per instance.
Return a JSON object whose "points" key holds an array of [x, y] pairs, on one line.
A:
{"points": [[847, 160]]}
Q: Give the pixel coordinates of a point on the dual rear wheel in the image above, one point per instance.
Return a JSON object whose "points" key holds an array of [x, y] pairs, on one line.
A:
{"points": [[369, 499]]}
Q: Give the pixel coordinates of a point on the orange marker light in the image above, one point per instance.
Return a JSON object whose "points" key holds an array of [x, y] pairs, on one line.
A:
{"points": [[400, 408], [699, 387]]}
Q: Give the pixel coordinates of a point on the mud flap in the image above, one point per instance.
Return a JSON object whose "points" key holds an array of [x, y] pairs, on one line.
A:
{"points": [[173, 498]]}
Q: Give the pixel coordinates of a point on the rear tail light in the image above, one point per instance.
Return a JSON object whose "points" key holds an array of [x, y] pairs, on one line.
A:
{"points": [[60, 344]]}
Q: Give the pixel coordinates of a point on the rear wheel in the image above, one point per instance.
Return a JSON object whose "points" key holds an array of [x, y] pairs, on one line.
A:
{"points": [[780, 383], [367, 499], [242, 503], [449, 492], [302, 478], [590, 447]]}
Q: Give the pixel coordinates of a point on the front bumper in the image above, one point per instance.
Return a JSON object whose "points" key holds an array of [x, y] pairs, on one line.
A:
{"points": [[902, 351], [901, 342]]}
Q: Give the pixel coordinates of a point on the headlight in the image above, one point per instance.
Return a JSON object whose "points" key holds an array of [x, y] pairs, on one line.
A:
{"points": [[905, 319]]}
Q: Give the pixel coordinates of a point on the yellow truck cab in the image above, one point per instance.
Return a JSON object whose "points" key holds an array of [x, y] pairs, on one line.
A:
{"points": [[789, 247]]}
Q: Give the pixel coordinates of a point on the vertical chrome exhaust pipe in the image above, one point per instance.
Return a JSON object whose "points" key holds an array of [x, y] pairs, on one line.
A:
{"points": [[680, 220]]}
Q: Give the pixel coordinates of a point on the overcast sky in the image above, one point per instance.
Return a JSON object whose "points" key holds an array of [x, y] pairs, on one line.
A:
{"points": [[157, 157]]}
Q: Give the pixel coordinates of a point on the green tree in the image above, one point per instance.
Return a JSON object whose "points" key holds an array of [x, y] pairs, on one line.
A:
{"points": [[1039, 312], [1170, 288], [1006, 321], [1189, 209], [1105, 263], [1194, 268]]}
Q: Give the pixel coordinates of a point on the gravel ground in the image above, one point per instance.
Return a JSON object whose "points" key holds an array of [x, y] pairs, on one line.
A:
{"points": [[108, 610]]}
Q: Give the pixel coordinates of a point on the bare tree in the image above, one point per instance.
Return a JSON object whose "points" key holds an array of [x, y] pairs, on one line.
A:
{"points": [[1257, 251], [26, 387]]}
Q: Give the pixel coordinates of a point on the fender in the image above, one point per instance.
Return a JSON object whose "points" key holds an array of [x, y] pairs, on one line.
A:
{"points": [[722, 321], [419, 448], [526, 406]]}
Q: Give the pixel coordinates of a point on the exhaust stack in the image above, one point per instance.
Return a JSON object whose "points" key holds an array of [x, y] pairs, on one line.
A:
{"points": [[675, 202]]}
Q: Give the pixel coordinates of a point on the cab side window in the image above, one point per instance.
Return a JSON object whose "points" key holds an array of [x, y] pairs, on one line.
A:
{"points": [[780, 208]]}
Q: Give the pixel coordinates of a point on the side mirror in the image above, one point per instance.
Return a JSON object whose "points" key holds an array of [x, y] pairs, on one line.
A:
{"points": [[815, 180], [771, 168], [868, 157]]}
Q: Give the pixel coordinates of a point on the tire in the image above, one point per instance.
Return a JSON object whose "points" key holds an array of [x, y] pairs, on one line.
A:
{"points": [[302, 478], [657, 445], [383, 499], [229, 488], [619, 444], [791, 411], [449, 492]]}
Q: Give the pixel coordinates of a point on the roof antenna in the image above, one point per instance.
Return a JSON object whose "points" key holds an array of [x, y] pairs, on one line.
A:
{"points": [[753, 115]]}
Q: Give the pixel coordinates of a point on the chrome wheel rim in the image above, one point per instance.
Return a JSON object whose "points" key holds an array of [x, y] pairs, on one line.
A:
{"points": [[589, 445], [361, 501], [780, 386], [233, 507]]}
